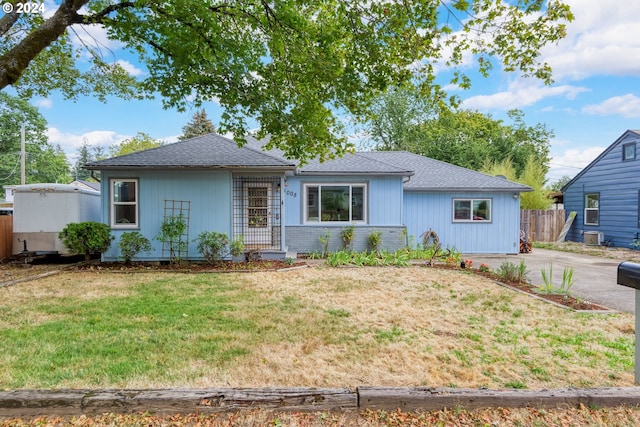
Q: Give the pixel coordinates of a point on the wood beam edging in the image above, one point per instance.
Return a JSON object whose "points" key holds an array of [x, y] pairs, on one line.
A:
{"points": [[34, 403]]}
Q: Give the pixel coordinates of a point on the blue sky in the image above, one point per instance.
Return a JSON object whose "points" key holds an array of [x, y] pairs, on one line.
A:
{"points": [[595, 97]]}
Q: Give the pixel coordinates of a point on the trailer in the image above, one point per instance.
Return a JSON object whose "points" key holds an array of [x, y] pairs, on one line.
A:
{"points": [[41, 211]]}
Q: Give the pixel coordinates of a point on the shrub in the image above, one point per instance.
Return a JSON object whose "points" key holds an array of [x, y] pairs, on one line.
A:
{"points": [[86, 238], [324, 239], [237, 245], [347, 234], [132, 243], [375, 239], [171, 234], [212, 245]]}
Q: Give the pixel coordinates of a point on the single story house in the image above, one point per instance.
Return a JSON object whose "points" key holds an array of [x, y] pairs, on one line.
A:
{"points": [[280, 207], [606, 195]]}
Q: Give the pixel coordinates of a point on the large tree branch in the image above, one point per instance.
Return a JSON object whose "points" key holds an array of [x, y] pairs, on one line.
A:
{"points": [[16, 60], [7, 21]]}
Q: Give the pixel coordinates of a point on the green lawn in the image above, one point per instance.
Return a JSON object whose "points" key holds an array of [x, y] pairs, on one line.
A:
{"points": [[313, 327]]}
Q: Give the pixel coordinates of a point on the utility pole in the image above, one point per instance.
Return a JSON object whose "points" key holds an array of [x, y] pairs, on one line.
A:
{"points": [[23, 155]]}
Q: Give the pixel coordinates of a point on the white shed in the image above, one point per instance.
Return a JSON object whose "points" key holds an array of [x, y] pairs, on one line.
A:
{"points": [[41, 211]]}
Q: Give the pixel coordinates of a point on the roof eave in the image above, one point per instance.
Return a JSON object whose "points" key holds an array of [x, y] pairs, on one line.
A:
{"points": [[470, 189], [183, 167], [345, 173]]}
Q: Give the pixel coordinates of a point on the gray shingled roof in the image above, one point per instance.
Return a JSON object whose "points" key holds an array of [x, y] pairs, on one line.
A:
{"points": [[353, 164], [434, 175], [204, 152]]}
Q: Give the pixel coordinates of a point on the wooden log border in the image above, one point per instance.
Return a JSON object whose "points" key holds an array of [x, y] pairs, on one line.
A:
{"points": [[35, 403]]}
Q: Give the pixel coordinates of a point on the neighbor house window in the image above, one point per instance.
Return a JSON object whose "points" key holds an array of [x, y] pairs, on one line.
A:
{"points": [[591, 208], [124, 203], [335, 202], [471, 210], [629, 151]]}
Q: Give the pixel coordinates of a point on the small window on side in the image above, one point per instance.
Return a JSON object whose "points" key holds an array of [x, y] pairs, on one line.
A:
{"points": [[629, 151]]}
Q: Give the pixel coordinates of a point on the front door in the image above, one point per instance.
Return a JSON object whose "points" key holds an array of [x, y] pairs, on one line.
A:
{"points": [[257, 215]]}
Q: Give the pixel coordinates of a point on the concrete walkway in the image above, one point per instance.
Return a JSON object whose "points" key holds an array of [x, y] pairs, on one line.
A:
{"points": [[595, 277]]}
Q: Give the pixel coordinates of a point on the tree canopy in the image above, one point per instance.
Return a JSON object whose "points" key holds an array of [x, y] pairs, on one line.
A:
{"points": [[403, 120], [43, 162], [141, 141], [291, 66], [198, 125]]}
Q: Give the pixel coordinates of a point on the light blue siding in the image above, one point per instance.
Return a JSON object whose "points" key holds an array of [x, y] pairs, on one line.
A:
{"points": [[210, 209], [431, 210], [617, 181], [384, 198]]}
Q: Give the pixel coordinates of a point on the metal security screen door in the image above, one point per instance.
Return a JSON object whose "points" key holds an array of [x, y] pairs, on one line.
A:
{"points": [[257, 227]]}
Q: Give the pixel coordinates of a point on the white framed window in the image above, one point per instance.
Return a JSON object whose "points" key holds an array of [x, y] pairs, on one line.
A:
{"points": [[335, 203], [471, 210], [592, 208], [124, 203]]}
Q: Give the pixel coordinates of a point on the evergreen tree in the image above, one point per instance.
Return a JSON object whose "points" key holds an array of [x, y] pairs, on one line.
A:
{"points": [[84, 156], [199, 125]]}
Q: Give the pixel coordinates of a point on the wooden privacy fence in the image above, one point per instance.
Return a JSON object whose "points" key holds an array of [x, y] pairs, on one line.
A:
{"points": [[542, 225], [6, 235]]}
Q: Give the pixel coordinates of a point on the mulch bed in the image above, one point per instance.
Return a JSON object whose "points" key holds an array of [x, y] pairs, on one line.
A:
{"points": [[564, 300], [190, 267]]}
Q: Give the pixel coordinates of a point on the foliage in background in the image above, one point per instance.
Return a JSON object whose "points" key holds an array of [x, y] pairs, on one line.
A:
{"points": [[86, 238], [533, 175], [199, 125], [132, 243], [406, 120], [213, 245], [140, 142], [43, 162], [289, 65]]}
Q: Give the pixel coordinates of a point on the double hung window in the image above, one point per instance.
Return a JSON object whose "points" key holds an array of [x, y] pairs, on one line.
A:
{"points": [[591, 208], [124, 203]]}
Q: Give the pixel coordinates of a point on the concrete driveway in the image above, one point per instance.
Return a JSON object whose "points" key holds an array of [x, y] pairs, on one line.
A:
{"points": [[595, 277]]}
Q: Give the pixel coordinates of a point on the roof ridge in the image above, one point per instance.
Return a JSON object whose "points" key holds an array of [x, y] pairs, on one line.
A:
{"points": [[266, 153], [383, 162]]}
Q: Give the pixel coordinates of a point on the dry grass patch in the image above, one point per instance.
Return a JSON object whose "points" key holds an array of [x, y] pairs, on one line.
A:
{"points": [[324, 327]]}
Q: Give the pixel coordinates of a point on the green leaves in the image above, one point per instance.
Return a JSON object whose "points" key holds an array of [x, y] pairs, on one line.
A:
{"points": [[295, 67], [86, 238]]}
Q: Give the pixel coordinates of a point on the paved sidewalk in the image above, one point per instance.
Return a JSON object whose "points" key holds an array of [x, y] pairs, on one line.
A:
{"points": [[595, 277]]}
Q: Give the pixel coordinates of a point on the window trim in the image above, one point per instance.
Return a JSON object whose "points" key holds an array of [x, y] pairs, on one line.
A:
{"points": [[113, 204], [586, 195], [624, 151], [471, 220], [318, 202]]}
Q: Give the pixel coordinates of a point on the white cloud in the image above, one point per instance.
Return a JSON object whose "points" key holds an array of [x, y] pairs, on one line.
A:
{"points": [[603, 39], [43, 103], [70, 142], [571, 161], [627, 105], [521, 93], [129, 67]]}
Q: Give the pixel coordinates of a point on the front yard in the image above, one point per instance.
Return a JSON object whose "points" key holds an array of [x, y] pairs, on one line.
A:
{"points": [[319, 326]]}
